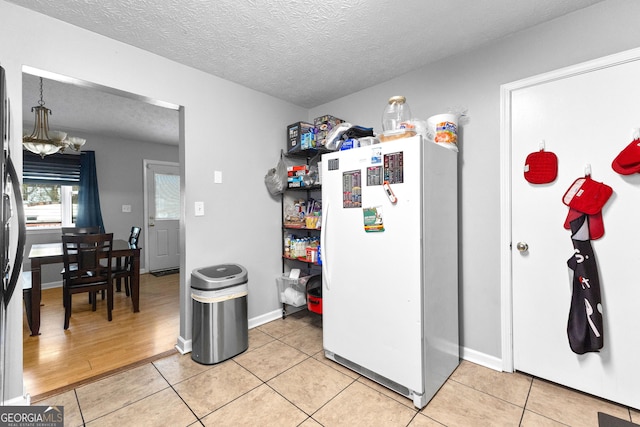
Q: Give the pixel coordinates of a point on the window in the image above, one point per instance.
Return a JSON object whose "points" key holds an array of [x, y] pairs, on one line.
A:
{"points": [[167, 196], [50, 205], [50, 190]]}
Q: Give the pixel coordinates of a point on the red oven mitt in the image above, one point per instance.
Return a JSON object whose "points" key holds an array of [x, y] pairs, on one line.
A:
{"points": [[596, 225], [628, 161], [587, 196]]}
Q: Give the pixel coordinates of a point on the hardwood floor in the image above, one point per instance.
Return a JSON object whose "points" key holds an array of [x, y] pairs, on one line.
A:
{"points": [[93, 346]]}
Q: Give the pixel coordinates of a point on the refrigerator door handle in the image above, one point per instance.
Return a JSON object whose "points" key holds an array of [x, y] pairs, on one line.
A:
{"points": [[323, 245], [22, 233]]}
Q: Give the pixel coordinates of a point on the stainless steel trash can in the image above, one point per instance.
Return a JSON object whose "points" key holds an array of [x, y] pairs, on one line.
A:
{"points": [[220, 324]]}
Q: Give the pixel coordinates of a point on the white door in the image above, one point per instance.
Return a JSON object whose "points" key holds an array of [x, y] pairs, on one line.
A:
{"points": [[163, 208], [586, 118]]}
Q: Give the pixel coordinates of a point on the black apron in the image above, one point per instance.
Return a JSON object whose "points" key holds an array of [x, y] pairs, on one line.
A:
{"points": [[585, 328]]}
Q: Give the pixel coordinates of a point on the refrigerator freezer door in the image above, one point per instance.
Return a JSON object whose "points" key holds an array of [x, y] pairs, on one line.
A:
{"points": [[372, 312]]}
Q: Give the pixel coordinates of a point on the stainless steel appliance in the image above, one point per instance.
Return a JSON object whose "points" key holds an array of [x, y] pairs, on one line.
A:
{"points": [[11, 253]]}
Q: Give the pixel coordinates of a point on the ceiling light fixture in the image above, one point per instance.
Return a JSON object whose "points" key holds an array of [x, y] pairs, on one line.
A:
{"points": [[43, 141]]}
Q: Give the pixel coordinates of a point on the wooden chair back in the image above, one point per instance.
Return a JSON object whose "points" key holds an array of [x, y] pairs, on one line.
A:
{"points": [[134, 236], [81, 230], [124, 268], [87, 268], [87, 258]]}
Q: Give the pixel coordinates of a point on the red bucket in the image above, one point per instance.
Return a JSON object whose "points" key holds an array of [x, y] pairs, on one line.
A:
{"points": [[314, 300]]}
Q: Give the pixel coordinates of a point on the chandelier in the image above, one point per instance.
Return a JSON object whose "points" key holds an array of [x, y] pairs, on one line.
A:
{"points": [[43, 141]]}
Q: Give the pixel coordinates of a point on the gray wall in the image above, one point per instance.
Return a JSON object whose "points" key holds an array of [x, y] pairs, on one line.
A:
{"points": [[224, 127], [120, 174], [473, 80]]}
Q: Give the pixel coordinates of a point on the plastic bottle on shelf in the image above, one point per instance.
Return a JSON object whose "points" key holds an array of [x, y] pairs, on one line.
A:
{"points": [[287, 245], [300, 248], [396, 114]]}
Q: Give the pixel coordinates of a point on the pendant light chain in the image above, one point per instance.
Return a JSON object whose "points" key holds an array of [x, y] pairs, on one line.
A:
{"points": [[41, 102]]}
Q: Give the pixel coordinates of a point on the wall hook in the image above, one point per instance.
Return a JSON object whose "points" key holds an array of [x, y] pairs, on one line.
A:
{"points": [[587, 169], [542, 145]]}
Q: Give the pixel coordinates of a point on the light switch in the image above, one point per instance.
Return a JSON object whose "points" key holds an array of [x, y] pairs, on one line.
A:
{"points": [[126, 208], [217, 177], [199, 208]]}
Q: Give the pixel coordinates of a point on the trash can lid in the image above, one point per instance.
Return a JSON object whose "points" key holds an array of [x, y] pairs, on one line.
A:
{"points": [[218, 276]]}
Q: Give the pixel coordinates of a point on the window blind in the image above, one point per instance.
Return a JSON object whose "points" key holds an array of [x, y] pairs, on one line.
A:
{"points": [[63, 169]]}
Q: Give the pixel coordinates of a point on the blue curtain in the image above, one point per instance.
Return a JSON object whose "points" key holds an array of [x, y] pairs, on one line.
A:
{"points": [[89, 214]]}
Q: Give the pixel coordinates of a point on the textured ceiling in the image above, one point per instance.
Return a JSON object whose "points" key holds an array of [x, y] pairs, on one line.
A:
{"points": [[76, 106], [307, 52]]}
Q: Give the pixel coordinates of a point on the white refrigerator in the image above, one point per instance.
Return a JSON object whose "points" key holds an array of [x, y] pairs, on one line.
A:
{"points": [[390, 264]]}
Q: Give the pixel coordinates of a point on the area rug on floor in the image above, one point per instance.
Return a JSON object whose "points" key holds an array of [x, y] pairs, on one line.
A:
{"points": [[165, 272], [606, 420]]}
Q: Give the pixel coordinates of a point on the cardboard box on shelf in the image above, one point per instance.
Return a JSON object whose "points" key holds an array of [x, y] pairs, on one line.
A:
{"points": [[295, 182], [323, 125], [297, 170], [300, 136]]}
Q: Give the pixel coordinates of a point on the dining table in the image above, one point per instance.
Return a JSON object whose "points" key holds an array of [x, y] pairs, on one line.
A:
{"points": [[51, 253]]}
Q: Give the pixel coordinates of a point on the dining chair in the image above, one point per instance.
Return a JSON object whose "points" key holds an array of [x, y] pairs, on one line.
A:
{"points": [[124, 269], [87, 268], [81, 230]]}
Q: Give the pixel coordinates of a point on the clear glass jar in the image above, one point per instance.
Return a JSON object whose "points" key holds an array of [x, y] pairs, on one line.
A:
{"points": [[395, 114]]}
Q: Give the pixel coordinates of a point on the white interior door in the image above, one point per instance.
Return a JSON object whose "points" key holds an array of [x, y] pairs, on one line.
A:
{"points": [[586, 115], [163, 208]]}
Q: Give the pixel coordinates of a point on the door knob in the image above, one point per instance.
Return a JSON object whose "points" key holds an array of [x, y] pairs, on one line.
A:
{"points": [[522, 246]]}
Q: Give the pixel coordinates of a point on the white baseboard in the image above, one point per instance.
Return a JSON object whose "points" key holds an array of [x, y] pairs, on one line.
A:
{"points": [[52, 285], [184, 346], [24, 400], [265, 318], [482, 359]]}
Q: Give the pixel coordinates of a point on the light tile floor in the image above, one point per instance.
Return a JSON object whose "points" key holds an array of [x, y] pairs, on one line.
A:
{"points": [[283, 379]]}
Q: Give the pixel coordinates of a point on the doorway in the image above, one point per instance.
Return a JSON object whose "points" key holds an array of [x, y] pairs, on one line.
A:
{"points": [[75, 100]]}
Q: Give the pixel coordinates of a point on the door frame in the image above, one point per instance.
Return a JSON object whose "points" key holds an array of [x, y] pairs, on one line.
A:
{"points": [[506, 174], [145, 223]]}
